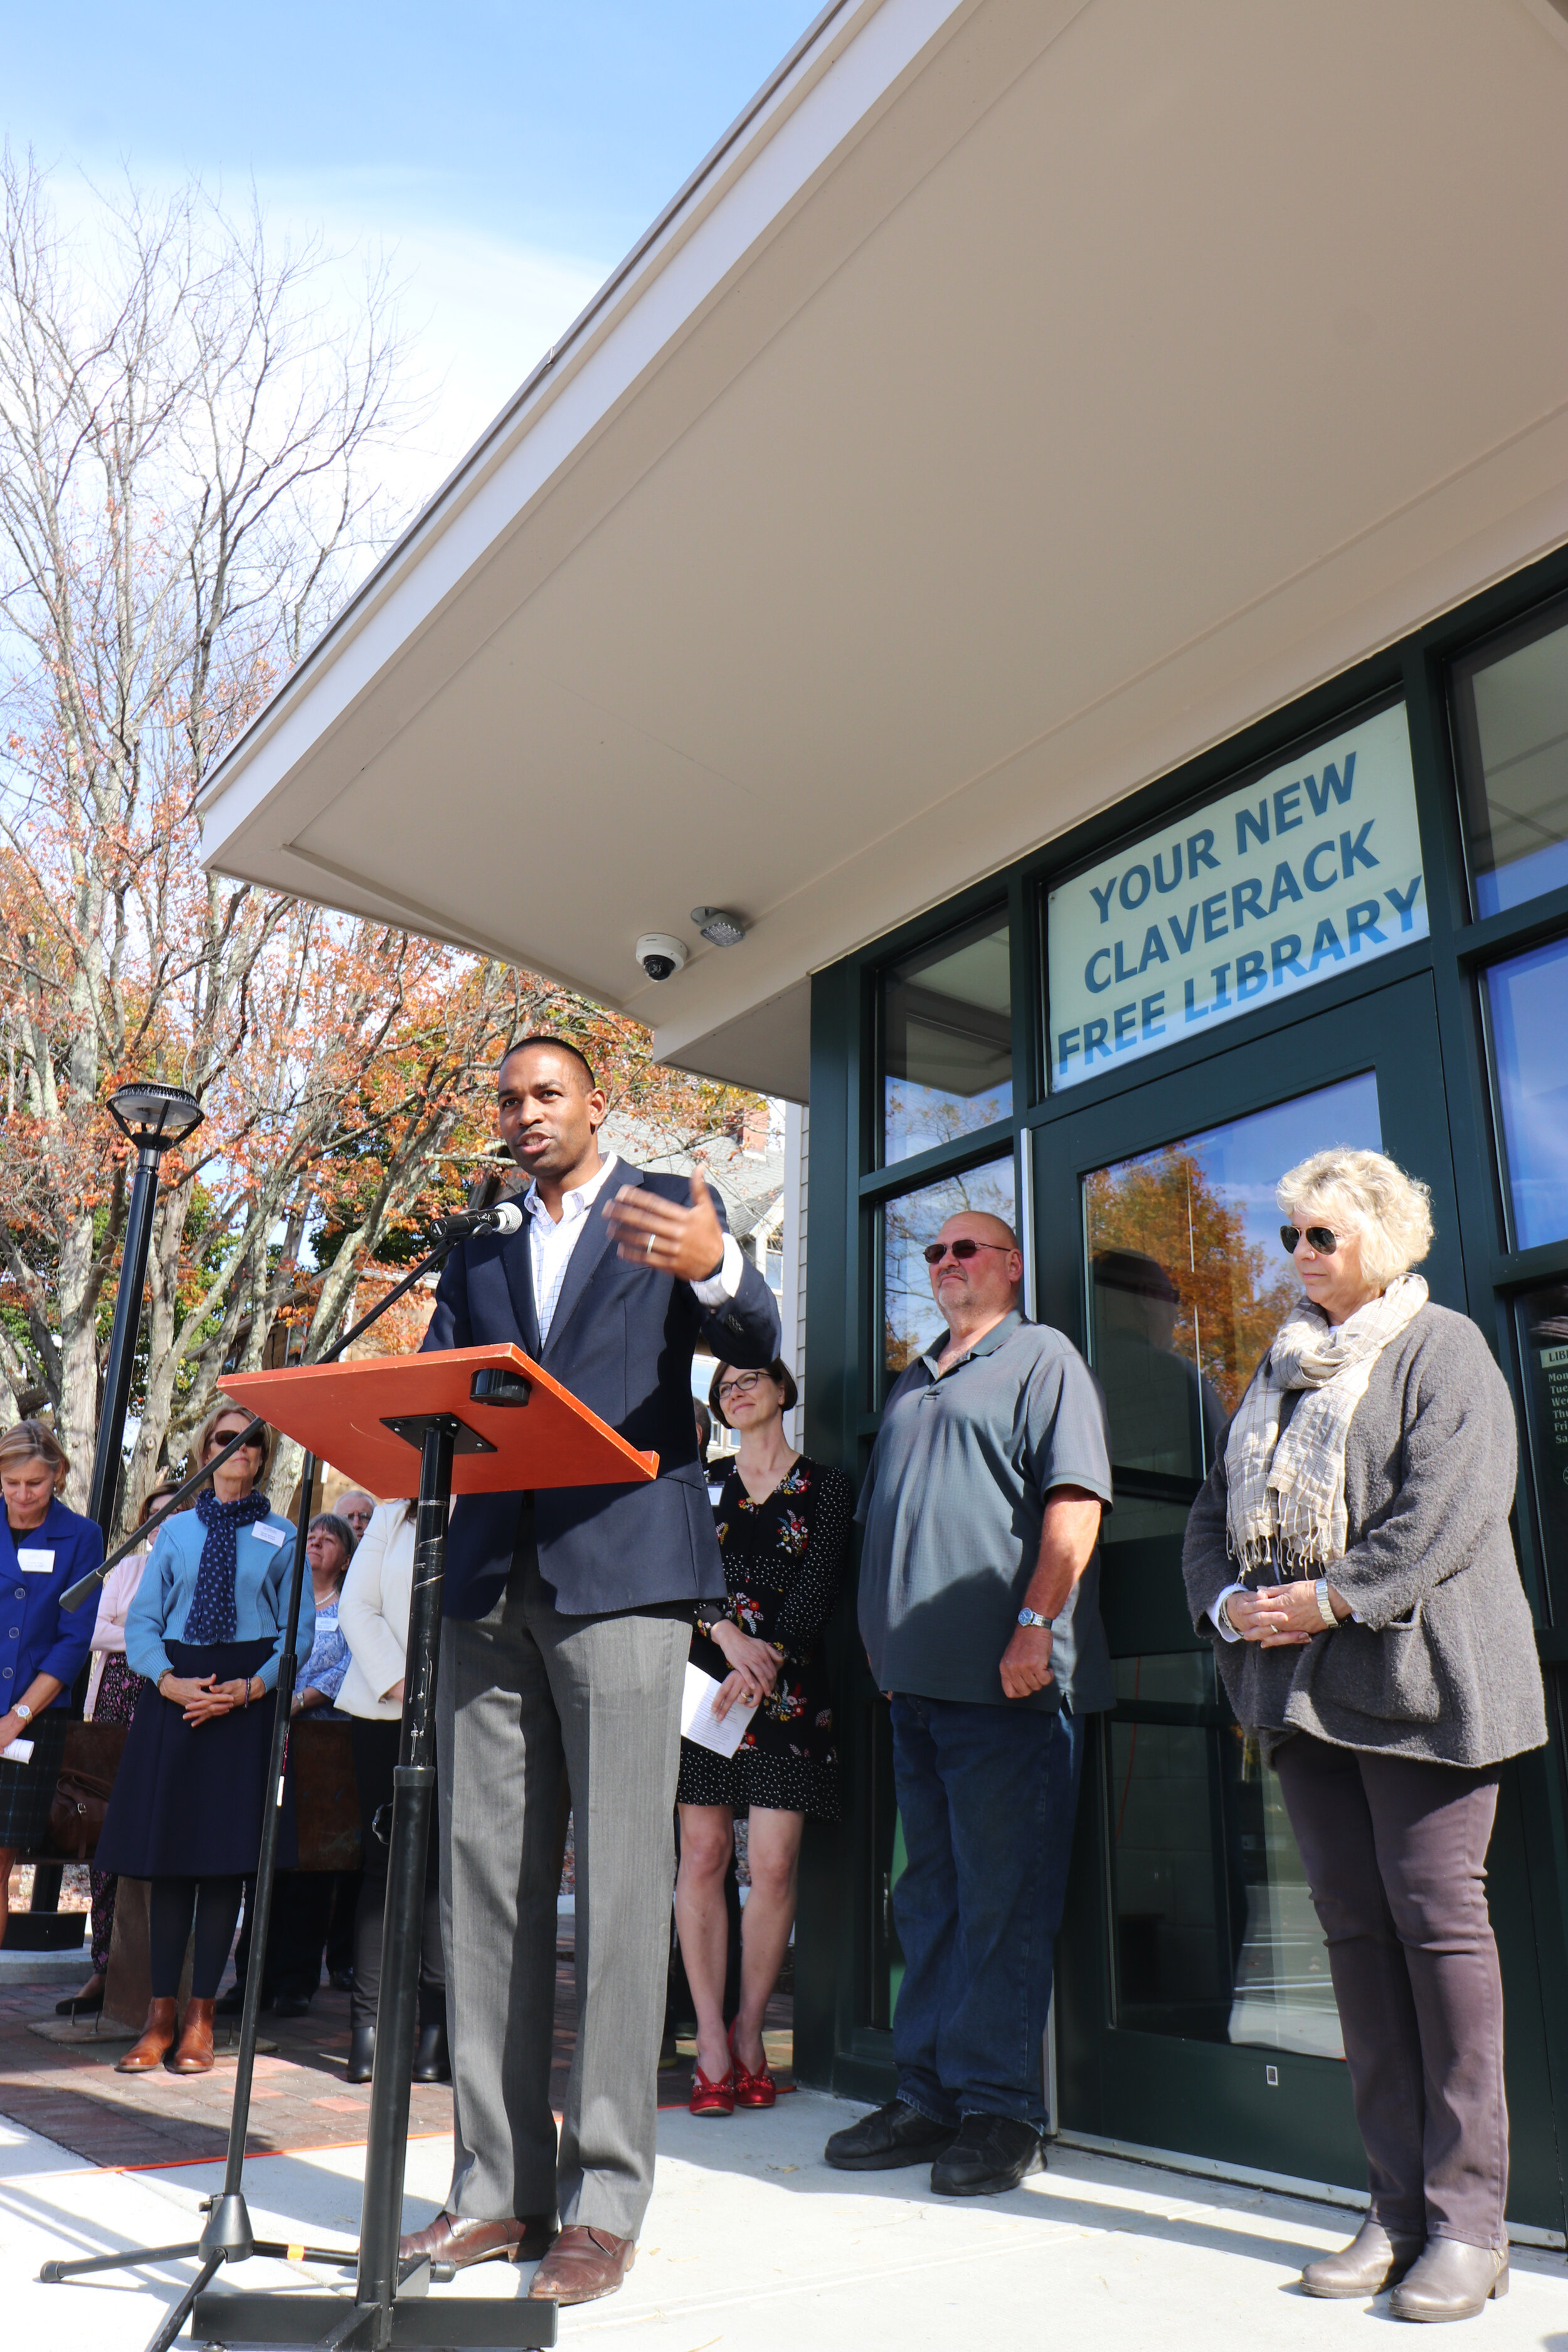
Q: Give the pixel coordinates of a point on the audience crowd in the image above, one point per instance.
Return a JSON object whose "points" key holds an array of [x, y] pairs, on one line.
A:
{"points": [[1348, 1558]]}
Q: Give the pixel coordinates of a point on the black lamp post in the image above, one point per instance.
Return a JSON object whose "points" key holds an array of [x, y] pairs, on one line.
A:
{"points": [[153, 1118]]}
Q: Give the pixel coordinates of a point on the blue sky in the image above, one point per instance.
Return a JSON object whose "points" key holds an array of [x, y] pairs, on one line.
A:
{"points": [[506, 155]]}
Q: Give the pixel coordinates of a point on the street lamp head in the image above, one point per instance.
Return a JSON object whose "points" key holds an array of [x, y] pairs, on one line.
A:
{"points": [[153, 1116]]}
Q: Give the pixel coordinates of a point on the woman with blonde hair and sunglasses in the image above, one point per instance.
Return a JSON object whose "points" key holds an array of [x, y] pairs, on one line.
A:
{"points": [[206, 1631], [784, 1535], [1350, 1559]]}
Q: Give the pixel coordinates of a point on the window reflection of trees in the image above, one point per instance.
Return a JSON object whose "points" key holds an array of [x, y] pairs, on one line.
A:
{"points": [[920, 1117], [910, 1317], [1231, 1300]]}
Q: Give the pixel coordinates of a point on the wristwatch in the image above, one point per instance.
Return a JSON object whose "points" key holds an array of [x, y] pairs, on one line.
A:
{"points": [[1033, 1617], [22, 1711]]}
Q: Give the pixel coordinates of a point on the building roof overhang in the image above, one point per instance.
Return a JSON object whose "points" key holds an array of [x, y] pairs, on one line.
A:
{"points": [[1024, 396]]}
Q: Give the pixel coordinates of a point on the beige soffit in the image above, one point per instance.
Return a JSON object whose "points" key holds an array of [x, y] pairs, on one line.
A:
{"points": [[1025, 395]]}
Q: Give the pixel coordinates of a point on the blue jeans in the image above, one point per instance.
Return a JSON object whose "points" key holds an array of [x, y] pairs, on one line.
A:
{"points": [[987, 1796]]}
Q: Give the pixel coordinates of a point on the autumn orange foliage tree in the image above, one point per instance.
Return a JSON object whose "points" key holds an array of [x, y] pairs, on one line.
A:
{"points": [[187, 465], [1233, 1297]]}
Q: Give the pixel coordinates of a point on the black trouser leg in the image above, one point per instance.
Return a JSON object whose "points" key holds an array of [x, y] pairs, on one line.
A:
{"points": [[217, 1912], [374, 1745], [170, 1904], [301, 1909]]}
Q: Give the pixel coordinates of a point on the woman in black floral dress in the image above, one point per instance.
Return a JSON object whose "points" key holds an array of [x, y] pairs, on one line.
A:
{"points": [[783, 1530]]}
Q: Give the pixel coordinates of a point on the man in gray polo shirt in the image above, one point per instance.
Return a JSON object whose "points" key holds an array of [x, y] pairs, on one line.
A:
{"points": [[979, 1612]]}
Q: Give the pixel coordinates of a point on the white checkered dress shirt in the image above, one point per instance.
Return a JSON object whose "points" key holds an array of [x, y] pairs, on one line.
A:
{"points": [[551, 1246]]}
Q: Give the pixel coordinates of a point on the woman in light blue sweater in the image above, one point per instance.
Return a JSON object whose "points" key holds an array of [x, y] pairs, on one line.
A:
{"points": [[206, 1631]]}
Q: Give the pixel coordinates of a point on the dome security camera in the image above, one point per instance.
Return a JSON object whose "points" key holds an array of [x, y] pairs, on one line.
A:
{"points": [[660, 955]]}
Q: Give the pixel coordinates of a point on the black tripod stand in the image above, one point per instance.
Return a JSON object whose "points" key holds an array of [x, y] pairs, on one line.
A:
{"points": [[388, 2307]]}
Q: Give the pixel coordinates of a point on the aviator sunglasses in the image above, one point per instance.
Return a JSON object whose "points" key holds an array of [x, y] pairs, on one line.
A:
{"points": [[1322, 1238], [934, 1251]]}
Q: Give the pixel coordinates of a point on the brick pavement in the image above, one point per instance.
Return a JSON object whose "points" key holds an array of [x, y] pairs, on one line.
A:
{"points": [[71, 2093]]}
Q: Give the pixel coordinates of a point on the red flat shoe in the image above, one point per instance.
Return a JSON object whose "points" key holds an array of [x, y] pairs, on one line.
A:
{"points": [[752, 2090], [712, 2098]]}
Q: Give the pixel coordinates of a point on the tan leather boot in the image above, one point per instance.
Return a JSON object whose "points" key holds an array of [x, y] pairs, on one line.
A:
{"points": [[195, 2054], [157, 2041]]}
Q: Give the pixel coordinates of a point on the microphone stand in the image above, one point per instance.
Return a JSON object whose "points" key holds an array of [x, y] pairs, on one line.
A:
{"points": [[227, 2236]]}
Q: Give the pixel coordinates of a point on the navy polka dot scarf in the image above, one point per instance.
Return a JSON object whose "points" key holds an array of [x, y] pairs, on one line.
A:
{"points": [[211, 1616]]}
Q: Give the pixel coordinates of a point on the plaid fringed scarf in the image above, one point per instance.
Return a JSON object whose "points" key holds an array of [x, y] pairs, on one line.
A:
{"points": [[1287, 1494]]}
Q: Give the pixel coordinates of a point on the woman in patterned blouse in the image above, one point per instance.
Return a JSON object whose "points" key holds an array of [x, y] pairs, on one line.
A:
{"points": [[783, 1531]]}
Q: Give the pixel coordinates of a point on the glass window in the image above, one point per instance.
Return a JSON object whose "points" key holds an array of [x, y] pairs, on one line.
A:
{"points": [[1543, 1345], [910, 1319], [1188, 1285], [1511, 712], [1528, 1000], [1216, 1938], [947, 1040]]}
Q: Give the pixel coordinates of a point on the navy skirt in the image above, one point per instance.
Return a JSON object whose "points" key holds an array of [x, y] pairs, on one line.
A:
{"points": [[188, 1797]]}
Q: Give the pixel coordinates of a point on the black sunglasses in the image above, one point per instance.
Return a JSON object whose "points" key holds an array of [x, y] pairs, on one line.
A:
{"points": [[1323, 1239], [934, 1251]]}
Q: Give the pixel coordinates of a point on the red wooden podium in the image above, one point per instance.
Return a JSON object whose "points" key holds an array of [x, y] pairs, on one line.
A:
{"points": [[468, 1420]]}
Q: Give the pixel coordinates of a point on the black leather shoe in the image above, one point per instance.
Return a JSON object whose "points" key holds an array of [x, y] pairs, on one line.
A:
{"points": [[362, 2054], [1371, 2261], [431, 2061], [230, 2003], [291, 2004], [992, 2154], [1450, 2281], [895, 2134]]}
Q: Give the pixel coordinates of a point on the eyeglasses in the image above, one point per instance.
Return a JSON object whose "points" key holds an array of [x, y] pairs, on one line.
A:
{"points": [[1322, 1238], [742, 1385], [934, 1251]]}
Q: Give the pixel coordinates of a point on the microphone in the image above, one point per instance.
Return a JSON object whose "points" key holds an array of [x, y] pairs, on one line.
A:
{"points": [[506, 1217]]}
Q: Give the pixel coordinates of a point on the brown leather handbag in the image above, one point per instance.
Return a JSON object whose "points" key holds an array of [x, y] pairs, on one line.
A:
{"points": [[84, 1787]]}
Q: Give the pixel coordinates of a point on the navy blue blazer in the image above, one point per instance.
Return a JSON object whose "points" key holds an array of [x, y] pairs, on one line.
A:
{"points": [[36, 1635], [622, 1339]]}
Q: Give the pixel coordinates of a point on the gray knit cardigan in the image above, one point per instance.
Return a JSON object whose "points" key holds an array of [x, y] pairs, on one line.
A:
{"points": [[1443, 1665]]}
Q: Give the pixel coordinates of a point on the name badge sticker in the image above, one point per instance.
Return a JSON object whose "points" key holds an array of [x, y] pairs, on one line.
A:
{"points": [[267, 1535], [34, 1562]]}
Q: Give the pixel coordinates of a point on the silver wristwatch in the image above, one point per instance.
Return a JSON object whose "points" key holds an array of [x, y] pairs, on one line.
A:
{"points": [[1033, 1617]]}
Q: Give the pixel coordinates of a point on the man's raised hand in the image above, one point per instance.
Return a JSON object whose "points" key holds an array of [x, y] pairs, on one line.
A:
{"points": [[652, 1231]]}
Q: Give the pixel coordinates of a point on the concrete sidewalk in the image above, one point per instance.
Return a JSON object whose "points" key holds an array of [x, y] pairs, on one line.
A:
{"points": [[753, 2242]]}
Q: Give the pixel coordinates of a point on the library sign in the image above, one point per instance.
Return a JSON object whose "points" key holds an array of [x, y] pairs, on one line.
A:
{"points": [[1302, 874]]}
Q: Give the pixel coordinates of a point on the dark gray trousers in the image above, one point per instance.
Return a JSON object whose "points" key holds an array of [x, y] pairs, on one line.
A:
{"points": [[1395, 1851], [523, 1695]]}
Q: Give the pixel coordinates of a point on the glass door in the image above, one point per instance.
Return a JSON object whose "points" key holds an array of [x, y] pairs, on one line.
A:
{"points": [[1195, 1980]]}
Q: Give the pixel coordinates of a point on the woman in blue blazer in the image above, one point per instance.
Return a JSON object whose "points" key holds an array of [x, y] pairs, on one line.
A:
{"points": [[43, 1549], [206, 1630]]}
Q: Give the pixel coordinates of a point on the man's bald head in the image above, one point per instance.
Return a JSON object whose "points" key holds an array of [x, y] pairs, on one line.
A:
{"points": [[982, 1226]]}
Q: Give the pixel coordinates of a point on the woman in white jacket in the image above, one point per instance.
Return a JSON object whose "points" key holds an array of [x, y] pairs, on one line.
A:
{"points": [[372, 1617]]}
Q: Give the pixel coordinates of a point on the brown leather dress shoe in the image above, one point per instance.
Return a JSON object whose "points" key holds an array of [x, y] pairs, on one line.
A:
{"points": [[455, 2238], [582, 2265], [157, 2041], [195, 2054]]}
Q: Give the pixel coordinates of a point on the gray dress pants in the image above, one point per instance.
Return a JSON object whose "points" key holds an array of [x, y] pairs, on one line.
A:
{"points": [[1395, 1855], [524, 1694]]}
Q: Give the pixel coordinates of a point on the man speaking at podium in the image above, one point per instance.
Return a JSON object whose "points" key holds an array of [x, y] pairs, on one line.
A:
{"points": [[568, 1622]]}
